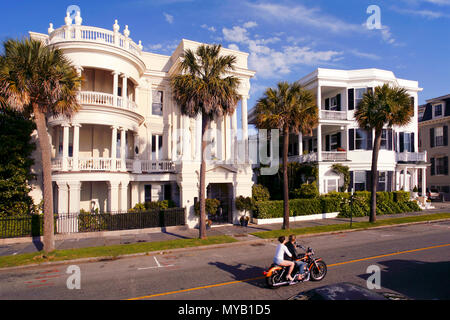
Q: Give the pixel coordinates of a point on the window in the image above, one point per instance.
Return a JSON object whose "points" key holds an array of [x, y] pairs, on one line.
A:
{"points": [[360, 180], [440, 165], [439, 136], [407, 142], [332, 185], [359, 93], [361, 139], [382, 178], [148, 193], [384, 140], [334, 142], [157, 105], [438, 110]]}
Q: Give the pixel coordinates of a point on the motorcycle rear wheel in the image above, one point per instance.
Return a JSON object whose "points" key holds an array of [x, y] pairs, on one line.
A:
{"points": [[274, 279], [319, 273]]}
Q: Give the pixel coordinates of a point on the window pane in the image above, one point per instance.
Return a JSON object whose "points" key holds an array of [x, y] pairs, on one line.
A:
{"points": [[331, 185], [157, 103], [438, 110], [361, 139]]}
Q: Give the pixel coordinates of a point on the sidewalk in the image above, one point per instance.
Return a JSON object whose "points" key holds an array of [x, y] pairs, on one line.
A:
{"points": [[237, 232]]}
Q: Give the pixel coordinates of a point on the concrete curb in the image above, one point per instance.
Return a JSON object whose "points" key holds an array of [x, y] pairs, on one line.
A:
{"points": [[207, 247]]}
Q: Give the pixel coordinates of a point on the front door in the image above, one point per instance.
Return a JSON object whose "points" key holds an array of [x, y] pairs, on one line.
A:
{"points": [[223, 193]]}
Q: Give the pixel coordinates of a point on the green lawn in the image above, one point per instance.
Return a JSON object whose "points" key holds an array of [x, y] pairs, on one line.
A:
{"points": [[109, 251], [346, 226]]}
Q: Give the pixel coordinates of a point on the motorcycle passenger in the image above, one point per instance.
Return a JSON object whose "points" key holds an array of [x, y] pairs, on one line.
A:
{"points": [[279, 257], [291, 245]]}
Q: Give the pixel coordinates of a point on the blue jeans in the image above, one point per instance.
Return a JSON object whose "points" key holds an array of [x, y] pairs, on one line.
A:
{"points": [[301, 266]]}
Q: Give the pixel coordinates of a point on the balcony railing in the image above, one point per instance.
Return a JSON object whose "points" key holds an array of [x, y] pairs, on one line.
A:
{"points": [[333, 115], [105, 99], [411, 156], [112, 165], [96, 35], [310, 157], [334, 155]]}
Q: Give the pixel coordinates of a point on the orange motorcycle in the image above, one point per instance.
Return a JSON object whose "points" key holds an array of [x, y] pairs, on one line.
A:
{"points": [[316, 271]]}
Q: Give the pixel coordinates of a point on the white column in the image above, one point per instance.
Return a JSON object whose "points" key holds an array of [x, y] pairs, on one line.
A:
{"points": [[245, 126], [63, 197], [319, 142], [124, 90], [115, 86], [123, 133], [74, 197], [234, 136], [424, 182], [113, 199], [134, 193], [186, 138], [65, 146], [300, 144], [113, 148], [156, 147], [76, 145], [405, 173], [124, 196]]}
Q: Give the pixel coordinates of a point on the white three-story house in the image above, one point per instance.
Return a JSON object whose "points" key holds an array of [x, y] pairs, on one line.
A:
{"points": [[130, 143]]}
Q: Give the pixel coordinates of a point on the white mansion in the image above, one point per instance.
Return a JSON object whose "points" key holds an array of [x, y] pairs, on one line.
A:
{"points": [[129, 142], [338, 138]]}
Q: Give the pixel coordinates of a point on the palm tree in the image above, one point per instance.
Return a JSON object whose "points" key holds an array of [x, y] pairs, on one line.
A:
{"points": [[291, 109], [386, 106], [39, 81], [203, 86]]}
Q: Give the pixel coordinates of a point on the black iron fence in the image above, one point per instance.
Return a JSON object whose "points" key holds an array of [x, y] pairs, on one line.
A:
{"points": [[32, 225]]}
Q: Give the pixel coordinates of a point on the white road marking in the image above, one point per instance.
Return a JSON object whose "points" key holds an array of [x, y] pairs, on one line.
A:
{"points": [[158, 265]]}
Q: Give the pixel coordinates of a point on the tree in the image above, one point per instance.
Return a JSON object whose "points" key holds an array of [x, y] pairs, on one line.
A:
{"points": [[204, 87], [386, 106], [16, 149], [39, 81], [291, 109]]}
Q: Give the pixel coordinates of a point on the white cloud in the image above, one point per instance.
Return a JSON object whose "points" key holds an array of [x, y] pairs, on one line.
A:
{"points": [[236, 34], [169, 18], [387, 35], [233, 46], [365, 55], [429, 14], [250, 24], [212, 29]]}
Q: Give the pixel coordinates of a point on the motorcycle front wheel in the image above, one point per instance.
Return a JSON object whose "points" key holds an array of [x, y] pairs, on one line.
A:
{"points": [[319, 272]]}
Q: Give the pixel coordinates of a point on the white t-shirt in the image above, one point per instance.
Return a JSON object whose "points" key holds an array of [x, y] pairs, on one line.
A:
{"points": [[279, 254]]}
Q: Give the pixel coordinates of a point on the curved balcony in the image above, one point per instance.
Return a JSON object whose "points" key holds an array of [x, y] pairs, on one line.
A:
{"points": [[105, 99], [95, 35]]}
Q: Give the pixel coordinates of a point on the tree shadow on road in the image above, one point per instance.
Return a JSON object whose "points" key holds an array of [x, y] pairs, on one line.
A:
{"points": [[416, 279], [242, 271]]}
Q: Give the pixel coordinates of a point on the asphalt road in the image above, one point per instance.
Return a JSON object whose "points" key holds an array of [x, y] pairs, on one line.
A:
{"points": [[414, 261]]}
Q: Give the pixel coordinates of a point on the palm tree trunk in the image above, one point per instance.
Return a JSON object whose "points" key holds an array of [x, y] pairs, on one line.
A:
{"points": [[202, 220], [285, 179], [44, 143], [373, 196]]}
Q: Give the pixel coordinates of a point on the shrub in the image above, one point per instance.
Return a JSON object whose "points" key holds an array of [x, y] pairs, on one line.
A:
{"points": [[306, 191], [211, 206], [260, 193], [244, 203]]}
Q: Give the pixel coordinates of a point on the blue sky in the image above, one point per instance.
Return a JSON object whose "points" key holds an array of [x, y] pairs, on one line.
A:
{"points": [[285, 39]]}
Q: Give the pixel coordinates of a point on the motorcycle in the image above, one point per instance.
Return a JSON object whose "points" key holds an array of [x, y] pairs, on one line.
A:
{"points": [[316, 271]]}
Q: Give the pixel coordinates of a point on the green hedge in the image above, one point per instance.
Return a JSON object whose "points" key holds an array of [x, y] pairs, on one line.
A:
{"points": [[297, 207], [387, 203]]}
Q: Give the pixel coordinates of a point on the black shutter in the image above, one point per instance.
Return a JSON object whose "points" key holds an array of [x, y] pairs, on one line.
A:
{"points": [[370, 90], [390, 176], [402, 141], [327, 143], [369, 139], [447, 107], [351, 139], [432, 137], [338, 101], [338, 138], [389, 138], [395, 140], [446, 165], [432, 166], [351, 99], [310, 145], [445, 135], [413, 102], [351, 186], [327, 104], [412, 142]]}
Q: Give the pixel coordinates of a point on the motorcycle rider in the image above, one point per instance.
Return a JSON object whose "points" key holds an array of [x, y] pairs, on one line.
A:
{"points": [[279, 257], [291, 245]]}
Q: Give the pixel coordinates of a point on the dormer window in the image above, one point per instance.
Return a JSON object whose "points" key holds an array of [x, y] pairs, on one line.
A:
{"points": [[438, 111]]}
